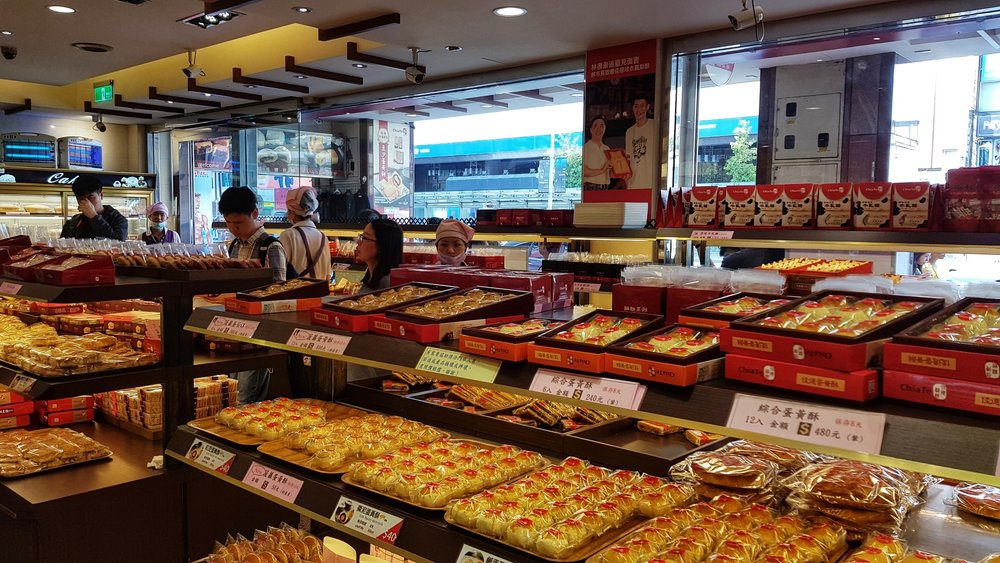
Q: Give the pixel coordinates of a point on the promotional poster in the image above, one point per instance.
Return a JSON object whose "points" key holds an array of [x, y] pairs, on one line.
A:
{"points": [[393, 168]]}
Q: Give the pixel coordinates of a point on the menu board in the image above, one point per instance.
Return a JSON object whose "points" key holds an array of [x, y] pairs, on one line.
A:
{"points": [[291, 152]]}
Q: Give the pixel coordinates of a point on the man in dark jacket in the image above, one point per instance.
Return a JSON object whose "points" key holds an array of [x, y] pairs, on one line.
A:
{"points": [[95, 220]]}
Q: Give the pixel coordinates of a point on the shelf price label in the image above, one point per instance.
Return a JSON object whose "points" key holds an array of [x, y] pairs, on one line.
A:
{"points": [[235, 327], [471, 553], [211, 456], [22, 383], [272, 482], [371, 522], [316, 341], [10, 288], [586, 287], [816, 424], [706, 235], [458, 364], [601, 390]]}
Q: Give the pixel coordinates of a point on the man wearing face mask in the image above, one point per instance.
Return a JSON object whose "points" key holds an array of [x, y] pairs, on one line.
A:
{"points": [[158, 233], [452, 241]]}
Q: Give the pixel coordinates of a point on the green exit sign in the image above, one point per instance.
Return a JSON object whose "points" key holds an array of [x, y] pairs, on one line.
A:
{"points": [[104, 91]]}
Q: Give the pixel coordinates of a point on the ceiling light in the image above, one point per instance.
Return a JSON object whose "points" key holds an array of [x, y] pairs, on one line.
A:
{"points": [[61, 9], [250, 86], [407, 115], [206, 21], [5, 32], [453, 48], [170, 101], [302, 9], [509, 11], [576, 95], [207, 95], [876, 38], [93, 47], [359, 65], [300, 76], [486, 106]]}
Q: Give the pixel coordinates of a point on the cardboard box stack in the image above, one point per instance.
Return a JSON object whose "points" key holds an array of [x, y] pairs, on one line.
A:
{"points": [[143, 406], [15, 411], [59, 412]]}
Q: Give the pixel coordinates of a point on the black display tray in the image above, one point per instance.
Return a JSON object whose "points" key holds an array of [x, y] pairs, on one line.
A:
{"points": [[699, 309], [709, 353], [444, 290], [651, 322], [523, 303], [480, 332], [913, 336], [315, 288], [228, 274]]}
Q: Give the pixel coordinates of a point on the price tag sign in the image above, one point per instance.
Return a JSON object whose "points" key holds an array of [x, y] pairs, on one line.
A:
{"points": [[10, 288], [371, 522], [274, 483], [600, 390], [458, 364], [22, 383], [825, 426], [586, 287], [316, 341], [211, 456], [236, 327], [470, 553], [705, 235]]}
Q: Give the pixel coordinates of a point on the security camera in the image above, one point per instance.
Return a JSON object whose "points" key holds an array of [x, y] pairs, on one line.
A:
{"points": [[193, 70], [9, 53], [746, 17], [414, 75], [99, 123]]}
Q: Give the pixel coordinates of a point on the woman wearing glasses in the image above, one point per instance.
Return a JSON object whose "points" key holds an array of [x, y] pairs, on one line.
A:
{"points": [[380, 248]]}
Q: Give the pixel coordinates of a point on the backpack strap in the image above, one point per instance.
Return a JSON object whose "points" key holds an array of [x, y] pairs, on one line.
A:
{"points": [[311, 259], [262, 244]]}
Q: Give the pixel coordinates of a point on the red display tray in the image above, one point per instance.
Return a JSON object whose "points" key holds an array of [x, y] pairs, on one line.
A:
{"points": [[334, 315], [430, 332], [550, 351], [519, 304], [941, 391], [95, 270], [857, 386], [697, 315], [476, 340], [273, 306], [314, 288]]}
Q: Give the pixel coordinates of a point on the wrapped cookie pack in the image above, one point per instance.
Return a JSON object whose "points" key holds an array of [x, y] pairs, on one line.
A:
{"points": [[276, 544], [721, 473], [982, 500]]}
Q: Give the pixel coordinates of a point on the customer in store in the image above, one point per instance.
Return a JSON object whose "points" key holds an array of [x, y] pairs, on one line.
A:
{"points": [[380, 248], [95, 220], [250, 240], [930, 268], [307, 247], [596, 166], [158, 233], [919, 259], [452, 240]]}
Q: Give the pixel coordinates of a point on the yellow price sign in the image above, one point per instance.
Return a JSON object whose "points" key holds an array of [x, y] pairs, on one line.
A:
{"points": [[458, 364]]}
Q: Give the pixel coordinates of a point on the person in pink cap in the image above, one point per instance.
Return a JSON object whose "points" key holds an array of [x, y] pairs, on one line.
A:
{"points": [[452, 240], [307, 248], [158, 233]]}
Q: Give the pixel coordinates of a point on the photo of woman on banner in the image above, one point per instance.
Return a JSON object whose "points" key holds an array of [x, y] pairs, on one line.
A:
{"points": [[596, 164]]}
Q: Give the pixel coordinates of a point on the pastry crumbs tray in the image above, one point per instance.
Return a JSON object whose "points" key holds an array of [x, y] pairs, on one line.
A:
{"points": [[347, 479], [210, 426], [585, 552], [56, 467], [278, 450]]}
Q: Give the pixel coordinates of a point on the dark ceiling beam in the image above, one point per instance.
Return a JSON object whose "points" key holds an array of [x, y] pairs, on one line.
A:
{"points": [[354, 55], [89, 108], [120, 102], [491, 100], [235, 107], [450, 106], [534, 94], [357, 27], [290, 66], [193, 87], [581, 86], [154, 95], [240, 79], [26, 106], [410, 110], [213, 7]]}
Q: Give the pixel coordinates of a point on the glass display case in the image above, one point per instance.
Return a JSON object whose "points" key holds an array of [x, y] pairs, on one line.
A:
{"points": [[34, 212], [130, 203]]}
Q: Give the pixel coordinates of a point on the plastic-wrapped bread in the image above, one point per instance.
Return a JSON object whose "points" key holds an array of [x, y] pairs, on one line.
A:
{"points": [[983, 500]]}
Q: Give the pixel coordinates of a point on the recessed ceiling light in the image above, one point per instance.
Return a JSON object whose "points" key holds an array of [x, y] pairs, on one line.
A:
{"points": [[359, 65], [207, 95], [5, 32], [170, 101], [576, 95], [752, 76], [93, 47], [486, 106], [301, 76], [819, 60], [250, 86], [62, 9], [289, 118], [52, 126], [876, 38], [509, 11], [302, 9], [452, 48], [407, 115]]}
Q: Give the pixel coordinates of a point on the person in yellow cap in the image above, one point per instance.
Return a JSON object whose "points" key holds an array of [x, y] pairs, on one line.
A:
{"points": [[452, 240], [307, 248]]}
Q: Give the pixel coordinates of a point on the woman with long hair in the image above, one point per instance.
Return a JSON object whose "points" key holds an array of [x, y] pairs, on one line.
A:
{"points": [[380, 248]]}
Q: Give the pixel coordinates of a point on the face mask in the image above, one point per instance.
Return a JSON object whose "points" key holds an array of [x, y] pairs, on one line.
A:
{"points": [[451, 260], [158, 226]]}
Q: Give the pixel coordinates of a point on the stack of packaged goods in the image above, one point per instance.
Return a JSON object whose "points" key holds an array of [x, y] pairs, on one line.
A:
{"points": [[58, 412], [751, 479], [882, 547], [212, 394], [15, 411], [138, 329], [283, 543], [143, 406]]}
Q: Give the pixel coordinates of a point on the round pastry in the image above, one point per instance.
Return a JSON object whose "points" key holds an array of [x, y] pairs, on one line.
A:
{"points": [[791, 553], [726, 504], [522, 533], [830, 537], [656, 536], [431, 494], [685, 516], [768, 535], [894, 547], [693, 549], [618, 554], [809, 545], [742, 551], [739, 521], [701, 535], [870, 555], [464, 512], [734, 471], [980, 499], [272, 431], [655, 504], [790, 525], [593, 520], [559, 510], [329, 459], [676, 555], [924, 557], [672, 528], [492, 522], [623, 477], [226, 416], [642, 547]]}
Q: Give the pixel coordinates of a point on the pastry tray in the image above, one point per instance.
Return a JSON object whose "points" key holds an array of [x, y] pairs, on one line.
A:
{"points": [[699, 311], [930, 307], [56, 467], [522, 303], [709, 353], [347, 479], [914, 334], [481, 332], [442, 290], [650, 322], [315, 288], [208, 424], [278, 450]]}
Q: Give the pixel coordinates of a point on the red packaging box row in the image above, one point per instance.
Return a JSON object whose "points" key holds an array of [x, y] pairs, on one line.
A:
{"points": [[859, 386], [62, 418], [981, 398]]}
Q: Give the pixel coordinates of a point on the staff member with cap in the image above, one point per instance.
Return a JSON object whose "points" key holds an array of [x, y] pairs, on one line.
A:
{"points": [[158, 233], [452, 240], [306, 247]]}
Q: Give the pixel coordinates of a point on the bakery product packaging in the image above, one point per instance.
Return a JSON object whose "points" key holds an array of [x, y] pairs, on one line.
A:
{"points": [[979, 499], [834, 205], [739, 207], [911, 206], [769, 204], [872, 205], [702, 205]]}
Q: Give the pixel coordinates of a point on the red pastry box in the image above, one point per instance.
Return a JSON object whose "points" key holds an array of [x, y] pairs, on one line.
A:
{"points": [[353, 313], [22, 265], [505, 341], [8, 395], [443, 318], [131, 321], [280, 297], [942, 391], [961, 342], [859, 385], [77, 270], [15, 414], [56, 308], [66, 404], [63, 418], [680, 298], [677, 355], [540, 285], [718, 313], [582, 345], [839, 330], [638, 298]]}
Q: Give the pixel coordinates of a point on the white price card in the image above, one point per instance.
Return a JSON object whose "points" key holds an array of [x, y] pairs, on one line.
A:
{"points": [[586, 287], [371, 522], [705, 235], [272, 482], [601, 390], [10, 288], [316, 341], [22, 383], [235, 327], [816, 424], [211, 456], [472, 554]]}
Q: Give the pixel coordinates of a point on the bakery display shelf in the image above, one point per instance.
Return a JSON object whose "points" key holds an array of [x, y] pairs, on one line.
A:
{"points": [[36, 387], [213, 363], [23, 495], [125, 287], [424, 535], [891, 241], [915, 437]]}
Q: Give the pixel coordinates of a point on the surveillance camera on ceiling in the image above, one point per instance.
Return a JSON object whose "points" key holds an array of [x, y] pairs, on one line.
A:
{"points": [[192, 70], [9, 53], [99, 125], [414, 75], [746, 17]]}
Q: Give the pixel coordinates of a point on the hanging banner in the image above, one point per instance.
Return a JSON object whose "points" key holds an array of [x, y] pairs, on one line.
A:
{"points": [[393, 175]]}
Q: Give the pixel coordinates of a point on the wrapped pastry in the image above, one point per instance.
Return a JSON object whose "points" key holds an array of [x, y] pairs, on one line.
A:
{"points": [[522, 533], [983, 500], [732, 471], [692, 549], [788, 459], [740, 550], [790, 553], [657, 428], [562, 539], [700, 438], [894, 547], [924, 557], [855, 484], [870, 555]]}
